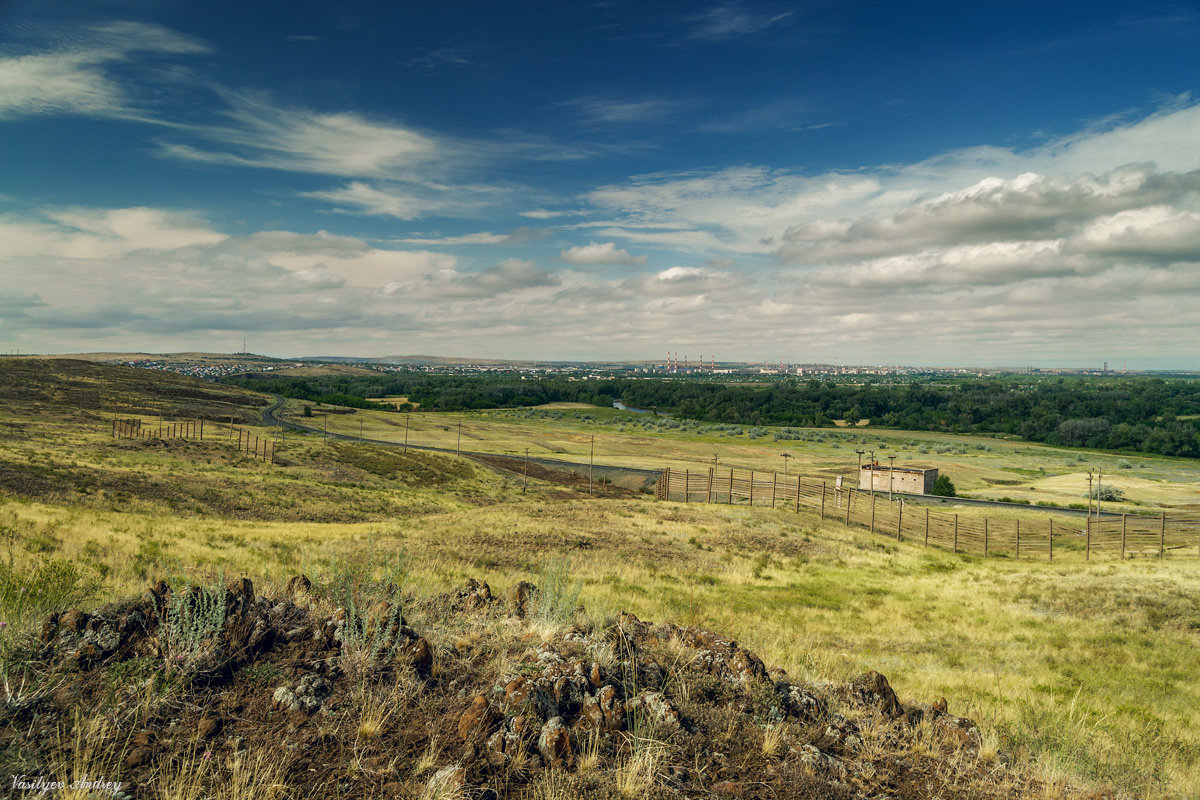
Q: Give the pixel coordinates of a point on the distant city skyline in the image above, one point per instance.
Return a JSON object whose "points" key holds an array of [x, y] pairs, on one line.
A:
{"points": [[1006, 185]]}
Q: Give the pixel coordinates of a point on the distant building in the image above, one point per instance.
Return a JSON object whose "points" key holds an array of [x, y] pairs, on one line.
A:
{"points": [[910, 480]]}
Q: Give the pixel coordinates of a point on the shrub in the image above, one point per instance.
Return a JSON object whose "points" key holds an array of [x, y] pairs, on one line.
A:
{"points": [[558, 592], [368, 643], [943, 487], [194, 620], [1108, 494]]}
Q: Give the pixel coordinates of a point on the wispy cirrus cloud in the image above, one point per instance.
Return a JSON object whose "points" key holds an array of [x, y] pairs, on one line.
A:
{"points": [[520, 236], [259, 133], [74, 73], [733, 21], [620, 111]]}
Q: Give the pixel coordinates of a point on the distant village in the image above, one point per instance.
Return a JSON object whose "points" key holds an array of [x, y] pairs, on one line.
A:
{"points": [[215, 367]]}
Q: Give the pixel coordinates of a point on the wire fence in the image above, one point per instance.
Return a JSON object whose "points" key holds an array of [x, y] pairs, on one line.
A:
{"points": [[1126, 534], [258, 447]]}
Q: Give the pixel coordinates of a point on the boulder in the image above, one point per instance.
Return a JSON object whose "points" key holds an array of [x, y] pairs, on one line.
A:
{"points": [[520, 598], [554, 743], [478, 720]]}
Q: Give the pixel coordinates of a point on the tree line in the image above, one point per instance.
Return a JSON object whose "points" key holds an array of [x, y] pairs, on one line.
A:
{"points": [[1138, 414]]}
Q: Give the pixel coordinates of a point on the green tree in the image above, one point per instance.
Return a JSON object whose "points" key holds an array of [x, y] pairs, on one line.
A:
{"points": [[943, 487]]}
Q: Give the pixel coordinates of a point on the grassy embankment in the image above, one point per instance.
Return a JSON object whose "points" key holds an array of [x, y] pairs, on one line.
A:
{"points": [[1086, 669]]}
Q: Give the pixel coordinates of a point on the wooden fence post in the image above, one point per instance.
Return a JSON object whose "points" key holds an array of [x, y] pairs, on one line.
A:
{"points": [[822, 497], [667, 487], [872, 512], [1018, 556], [899, 520], [1162, 534], [1088, 546], [985, 537], [731, 486], [752, 487], [1123, 536], [927, 527], [687, 484], [774, 484], [202, 430], [798, 496], [710, 479], [1050, 539], [956, 533], [849, 497]]}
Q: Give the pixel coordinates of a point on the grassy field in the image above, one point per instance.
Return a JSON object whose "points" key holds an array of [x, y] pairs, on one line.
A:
{"points": [[1086, 671], [985, 467]]}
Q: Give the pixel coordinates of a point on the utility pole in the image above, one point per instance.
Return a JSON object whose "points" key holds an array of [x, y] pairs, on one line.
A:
{"points": [[891, 475], [785, 457], [858, 477], [714, 460], [1099, 476], [591, 461], [1089, 514], [407, 415]]}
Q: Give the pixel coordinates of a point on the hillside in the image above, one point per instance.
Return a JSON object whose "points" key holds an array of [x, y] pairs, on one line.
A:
{"points": [[1077, 677]]}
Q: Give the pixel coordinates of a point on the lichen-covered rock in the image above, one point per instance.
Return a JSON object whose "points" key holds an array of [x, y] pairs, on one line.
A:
{"points": [[298, 589], [521, 597], [554, 743], [653, 707], [306, 696], [474, 595], [602, 711], [714, 653], [508, 744], [872, 690], [478, 720], [818, 762], [799, 702], [446, 782]]}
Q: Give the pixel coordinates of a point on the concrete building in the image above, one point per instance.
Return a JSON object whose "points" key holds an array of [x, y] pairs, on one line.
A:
{"points": [[910, 480]]}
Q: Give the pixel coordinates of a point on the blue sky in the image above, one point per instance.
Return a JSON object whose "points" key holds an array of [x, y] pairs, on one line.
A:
{"points": [[926, 183]]}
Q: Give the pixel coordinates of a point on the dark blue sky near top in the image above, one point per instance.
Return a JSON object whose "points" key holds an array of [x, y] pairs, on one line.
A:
{"points": [[704, 172]]}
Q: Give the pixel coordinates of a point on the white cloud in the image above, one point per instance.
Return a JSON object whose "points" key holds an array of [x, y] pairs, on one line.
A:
{"points": [[606, 253], [522, 235], [1153, 231], [367, 199], [732, 21], [610, 111], [260, 133], [683, 282], [92, 234], [74, 76], [508, 276]]}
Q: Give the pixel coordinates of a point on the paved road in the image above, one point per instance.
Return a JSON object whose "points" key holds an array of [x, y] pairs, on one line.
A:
{"points": [[645, 476]]}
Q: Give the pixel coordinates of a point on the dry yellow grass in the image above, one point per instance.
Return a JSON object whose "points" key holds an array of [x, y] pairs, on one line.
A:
{"points": [[1088, 670]]}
